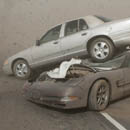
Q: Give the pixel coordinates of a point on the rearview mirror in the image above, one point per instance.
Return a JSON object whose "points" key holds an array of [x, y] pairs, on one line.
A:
{"points": [[37, 42]]}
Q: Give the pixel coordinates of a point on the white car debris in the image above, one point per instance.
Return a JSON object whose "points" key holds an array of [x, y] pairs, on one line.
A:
{"points": [[60, 73]]}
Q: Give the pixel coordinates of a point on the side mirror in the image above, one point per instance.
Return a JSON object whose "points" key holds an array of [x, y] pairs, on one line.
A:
{"points": [[37, 42], [84, 28]]}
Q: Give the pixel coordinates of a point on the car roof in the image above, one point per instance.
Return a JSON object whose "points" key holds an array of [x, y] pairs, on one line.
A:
{"points": [[91, 20]]}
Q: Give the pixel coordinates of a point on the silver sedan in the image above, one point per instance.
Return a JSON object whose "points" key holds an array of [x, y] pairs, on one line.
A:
{"points": [[93, 35]]}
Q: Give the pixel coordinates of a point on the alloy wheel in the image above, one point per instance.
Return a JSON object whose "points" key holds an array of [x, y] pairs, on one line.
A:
{"points": [[102, 96], [21, 70], [101, 50]]}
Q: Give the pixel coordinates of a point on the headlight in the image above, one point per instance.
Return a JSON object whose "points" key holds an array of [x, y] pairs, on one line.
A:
{"points": [[6, 62], [69, 98]]}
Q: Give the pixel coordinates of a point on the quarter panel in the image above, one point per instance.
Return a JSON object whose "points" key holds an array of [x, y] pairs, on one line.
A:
{"points": [[111, 76], [120, 33]]}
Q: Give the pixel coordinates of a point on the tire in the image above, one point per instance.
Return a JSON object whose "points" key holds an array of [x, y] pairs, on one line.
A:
{"points": [[99, 96], [101, 50], [21, 69]]}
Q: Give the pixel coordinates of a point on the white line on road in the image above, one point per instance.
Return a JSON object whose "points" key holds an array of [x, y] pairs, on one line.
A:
{"points": [[114, 122]]}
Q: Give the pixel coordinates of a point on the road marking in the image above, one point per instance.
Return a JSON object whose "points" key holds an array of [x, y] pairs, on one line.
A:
{"points": [[114, 122]]}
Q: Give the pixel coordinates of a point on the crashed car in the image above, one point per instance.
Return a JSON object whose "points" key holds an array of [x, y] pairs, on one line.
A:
{"points": [[93, 35], [79, 83]]}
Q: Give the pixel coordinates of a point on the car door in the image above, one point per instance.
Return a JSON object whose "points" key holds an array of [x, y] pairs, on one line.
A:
{"points": [[49, 48], [75, 36], [127, 77]]}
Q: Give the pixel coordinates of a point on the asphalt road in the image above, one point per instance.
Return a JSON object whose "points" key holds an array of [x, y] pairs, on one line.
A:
{"points": [[18, 114]]}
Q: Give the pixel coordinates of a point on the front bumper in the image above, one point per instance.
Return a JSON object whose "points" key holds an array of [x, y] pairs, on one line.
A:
{"points": [[7, 69], [36, 95], [57, 103]]}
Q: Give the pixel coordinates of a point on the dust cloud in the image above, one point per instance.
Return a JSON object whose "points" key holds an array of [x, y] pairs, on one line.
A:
{"points": [[24, 21]]}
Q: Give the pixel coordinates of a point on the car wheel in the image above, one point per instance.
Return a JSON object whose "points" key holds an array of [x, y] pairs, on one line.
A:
{"points": [[99, 96], [101, 50], [21, 69]]}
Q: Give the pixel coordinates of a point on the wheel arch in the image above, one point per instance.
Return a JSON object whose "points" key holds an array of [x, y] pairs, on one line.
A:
{"points": [[13, 62], [102, 78], [95, 37]]}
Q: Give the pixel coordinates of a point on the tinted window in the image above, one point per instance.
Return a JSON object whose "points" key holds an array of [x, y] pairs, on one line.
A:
{"points": [[82, 25], [51, 35], [71, 27]]}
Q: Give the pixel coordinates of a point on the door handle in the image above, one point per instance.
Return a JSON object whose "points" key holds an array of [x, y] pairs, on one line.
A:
{"points": [[83, 34], [55, 42]]}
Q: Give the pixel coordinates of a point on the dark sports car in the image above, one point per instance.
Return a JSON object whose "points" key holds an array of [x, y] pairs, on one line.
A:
{"points": [[82, 84]]}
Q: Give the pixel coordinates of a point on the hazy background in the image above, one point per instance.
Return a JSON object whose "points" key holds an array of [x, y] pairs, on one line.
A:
{"points": [[24, 21]]}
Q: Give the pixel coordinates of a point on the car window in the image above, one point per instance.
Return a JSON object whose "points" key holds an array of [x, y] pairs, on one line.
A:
{"points": [[51, 35], [82, 25], [71, 27]]}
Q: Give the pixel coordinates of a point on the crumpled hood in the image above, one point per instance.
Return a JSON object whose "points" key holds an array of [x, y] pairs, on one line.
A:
{"points": [[60, 73]]}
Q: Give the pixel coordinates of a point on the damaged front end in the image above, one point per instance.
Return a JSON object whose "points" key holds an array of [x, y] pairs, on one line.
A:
{"points": [[74, 72], [67, 70], [63, 91]]}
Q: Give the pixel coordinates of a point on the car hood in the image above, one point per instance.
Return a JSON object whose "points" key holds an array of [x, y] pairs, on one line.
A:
{"points": [[25, 54], [61, 72]]}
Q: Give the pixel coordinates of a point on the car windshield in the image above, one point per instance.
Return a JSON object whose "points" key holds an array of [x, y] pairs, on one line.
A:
{"points": [[115, 63]]}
